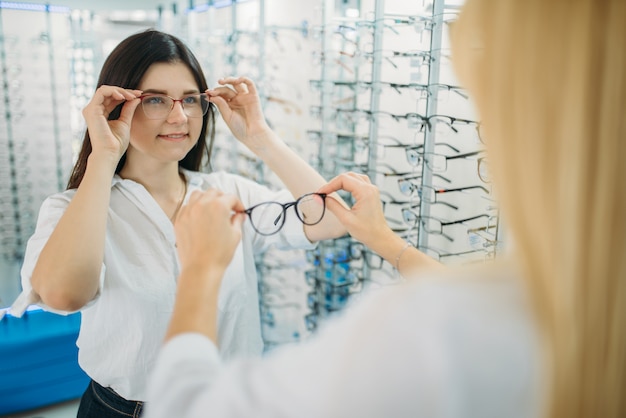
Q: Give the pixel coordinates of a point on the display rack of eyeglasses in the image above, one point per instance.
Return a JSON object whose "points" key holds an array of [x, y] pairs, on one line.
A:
{"points": [[262, 40], [389, 106], [383, 101], [240, 38], [378, 107], [35, 149], [85, 59]]}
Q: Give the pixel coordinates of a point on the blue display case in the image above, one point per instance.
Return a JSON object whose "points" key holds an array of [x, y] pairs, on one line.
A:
{"points": [[39, 360]]}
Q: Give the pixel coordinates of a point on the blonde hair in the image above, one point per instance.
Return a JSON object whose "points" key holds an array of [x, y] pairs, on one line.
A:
{"points": [[549, 81]]}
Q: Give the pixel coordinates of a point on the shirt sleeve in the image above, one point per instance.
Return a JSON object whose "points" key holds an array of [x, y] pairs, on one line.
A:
{"points": [[398, 352], [51, 211], [190, 355], [346, 364]]}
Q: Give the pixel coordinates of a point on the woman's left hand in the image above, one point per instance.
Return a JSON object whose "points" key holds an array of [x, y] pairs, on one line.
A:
{"points": [[238, 101]]}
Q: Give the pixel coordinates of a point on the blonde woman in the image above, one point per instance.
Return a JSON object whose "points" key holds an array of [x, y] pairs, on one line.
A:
{"points": [[540, 334]]}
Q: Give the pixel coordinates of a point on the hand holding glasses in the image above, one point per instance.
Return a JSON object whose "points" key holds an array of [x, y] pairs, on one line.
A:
{"points": [[267, 218]]}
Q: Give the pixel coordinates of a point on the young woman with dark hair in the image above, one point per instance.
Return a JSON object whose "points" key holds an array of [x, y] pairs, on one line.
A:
{"points": [[106, 246]]}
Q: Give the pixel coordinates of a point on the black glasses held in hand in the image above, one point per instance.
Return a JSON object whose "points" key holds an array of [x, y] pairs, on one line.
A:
{"points": [[159, 106], [267, 218]]}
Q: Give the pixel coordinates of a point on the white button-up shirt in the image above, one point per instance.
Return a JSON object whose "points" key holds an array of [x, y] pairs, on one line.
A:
{"points": [[124, 326]]}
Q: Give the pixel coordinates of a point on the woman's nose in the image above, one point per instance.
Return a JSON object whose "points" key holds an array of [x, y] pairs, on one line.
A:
{"points": [[177, 113]]}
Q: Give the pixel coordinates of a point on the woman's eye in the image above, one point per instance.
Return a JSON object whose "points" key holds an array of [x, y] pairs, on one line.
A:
{"points": [[191, 99], [154, 100]]}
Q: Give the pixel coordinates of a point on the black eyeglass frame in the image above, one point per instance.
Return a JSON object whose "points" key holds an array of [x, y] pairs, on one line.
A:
{"points": [[282, 217]]}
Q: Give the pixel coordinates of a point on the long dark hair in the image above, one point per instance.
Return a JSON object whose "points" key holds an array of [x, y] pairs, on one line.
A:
{"points": [[125, 67]]}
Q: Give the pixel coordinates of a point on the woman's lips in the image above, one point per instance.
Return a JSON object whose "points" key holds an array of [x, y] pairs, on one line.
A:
{"points": [[174, 137]]}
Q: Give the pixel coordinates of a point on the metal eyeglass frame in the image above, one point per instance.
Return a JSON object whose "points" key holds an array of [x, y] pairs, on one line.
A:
{"points": [[182, 103]]}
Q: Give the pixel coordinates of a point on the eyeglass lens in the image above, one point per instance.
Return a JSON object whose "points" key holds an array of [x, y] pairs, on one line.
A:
{"points": [[483, 170], [310, 208], [159, 106]]}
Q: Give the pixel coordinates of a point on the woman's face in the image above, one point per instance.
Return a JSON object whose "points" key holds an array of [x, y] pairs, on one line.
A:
{"points": [[171, 137]]}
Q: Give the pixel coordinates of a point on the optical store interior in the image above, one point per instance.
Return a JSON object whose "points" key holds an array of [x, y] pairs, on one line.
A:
{"points": [[350, 85]]}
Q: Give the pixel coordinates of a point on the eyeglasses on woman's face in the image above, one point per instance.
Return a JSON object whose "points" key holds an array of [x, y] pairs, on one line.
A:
{"points": [[267, 218], [159, 106]]}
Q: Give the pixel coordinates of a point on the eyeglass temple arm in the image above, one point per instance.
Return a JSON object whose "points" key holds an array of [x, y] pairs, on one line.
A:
{"points": [[282, 214], [460, 189], [468, 154]]}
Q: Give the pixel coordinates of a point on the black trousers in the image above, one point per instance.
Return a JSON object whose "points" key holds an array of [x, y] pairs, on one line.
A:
{"points": [[101, 402]]}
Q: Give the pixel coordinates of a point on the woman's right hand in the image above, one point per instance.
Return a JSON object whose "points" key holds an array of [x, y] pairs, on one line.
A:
{"points": [[110, 137]]}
